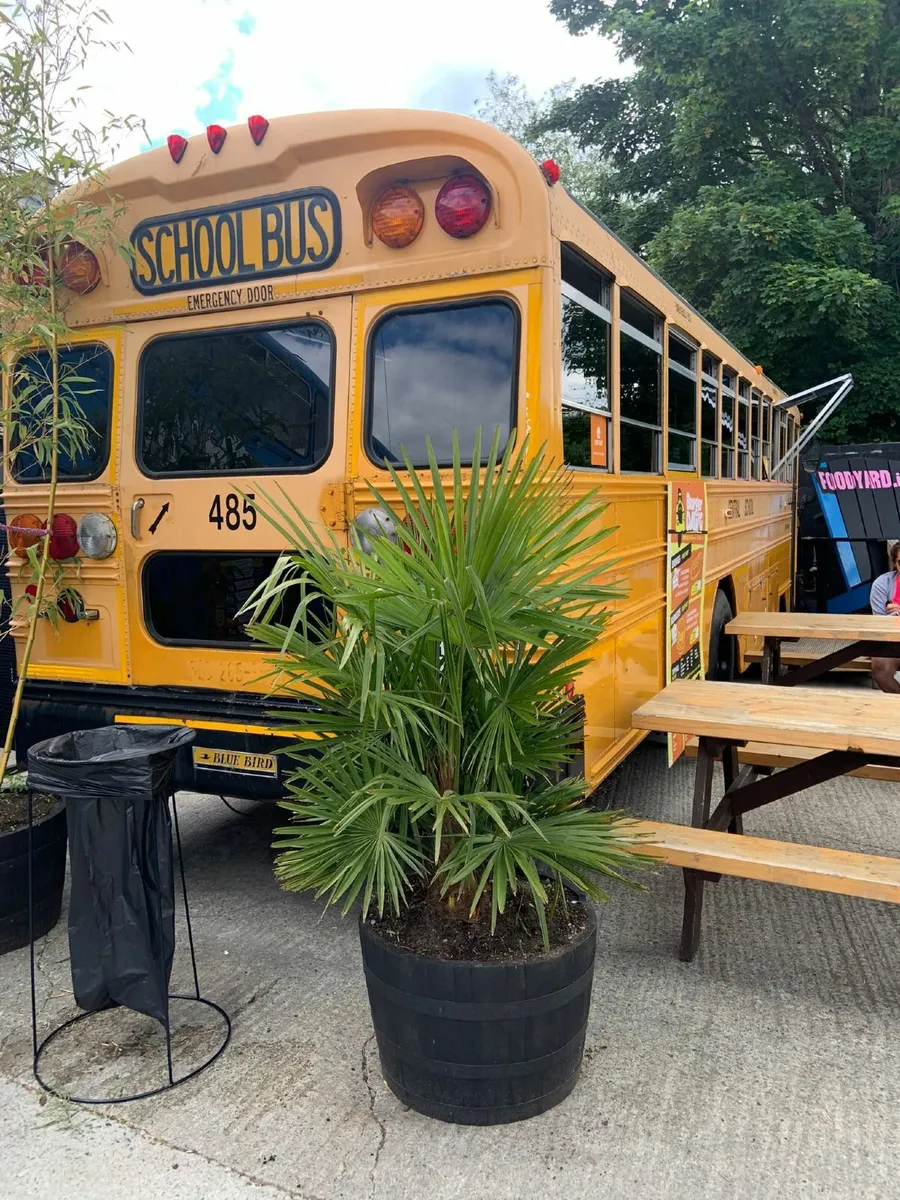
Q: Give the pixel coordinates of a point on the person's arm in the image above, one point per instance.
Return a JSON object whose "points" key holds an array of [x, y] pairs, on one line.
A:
{"points": [[881, 594]]}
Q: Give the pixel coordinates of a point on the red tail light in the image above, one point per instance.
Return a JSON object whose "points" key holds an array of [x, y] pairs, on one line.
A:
{"points": [[257, 126], [177, 146], [462, 206], [216, 136], [63, 537]]}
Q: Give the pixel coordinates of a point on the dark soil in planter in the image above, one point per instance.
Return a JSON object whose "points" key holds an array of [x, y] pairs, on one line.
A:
{"points": [[14, 809], [430, 928]]}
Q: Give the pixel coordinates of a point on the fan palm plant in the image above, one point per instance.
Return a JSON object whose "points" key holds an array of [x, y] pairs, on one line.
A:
{"points": [[440, 657]]}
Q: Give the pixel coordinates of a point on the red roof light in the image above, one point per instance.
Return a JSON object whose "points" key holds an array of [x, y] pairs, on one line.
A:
{"points": [[551, 171], [462, 206], [258, 126], [177, 146], [216, 136]]}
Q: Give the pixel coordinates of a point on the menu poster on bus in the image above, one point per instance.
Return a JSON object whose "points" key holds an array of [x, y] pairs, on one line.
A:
{"points": [[685, 577]]}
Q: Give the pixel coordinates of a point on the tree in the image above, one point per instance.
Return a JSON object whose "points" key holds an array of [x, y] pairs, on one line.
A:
{"points": [[755, 161], [53, 207], [510, 107]]}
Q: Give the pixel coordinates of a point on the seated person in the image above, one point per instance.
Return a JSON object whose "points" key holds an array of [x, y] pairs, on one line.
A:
{"points": [[884, 600]]}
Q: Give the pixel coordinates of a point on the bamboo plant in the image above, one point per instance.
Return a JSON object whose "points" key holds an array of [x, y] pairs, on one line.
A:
{"points": [[441, 661], [52, 201]]}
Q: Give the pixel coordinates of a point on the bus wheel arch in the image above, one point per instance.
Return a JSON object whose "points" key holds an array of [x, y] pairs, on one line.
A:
{"points": [[721, 661]]}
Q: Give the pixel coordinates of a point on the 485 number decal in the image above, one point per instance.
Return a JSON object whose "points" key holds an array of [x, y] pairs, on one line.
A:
{"points": [[237, 512]]}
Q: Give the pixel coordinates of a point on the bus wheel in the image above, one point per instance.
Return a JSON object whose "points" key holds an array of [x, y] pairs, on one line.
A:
{"points": [[720, 664]]}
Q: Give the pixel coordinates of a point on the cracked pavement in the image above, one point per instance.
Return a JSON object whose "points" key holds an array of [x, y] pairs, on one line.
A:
{"points": [[769, 1067]]}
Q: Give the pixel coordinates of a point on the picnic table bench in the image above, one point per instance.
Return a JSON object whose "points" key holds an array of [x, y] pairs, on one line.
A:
{"points": [[849, 730], [858, 635]]}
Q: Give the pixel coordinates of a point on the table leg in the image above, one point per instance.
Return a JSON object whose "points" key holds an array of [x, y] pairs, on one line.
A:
{"points": [[693, 880], [730, 769], [771, 660]]}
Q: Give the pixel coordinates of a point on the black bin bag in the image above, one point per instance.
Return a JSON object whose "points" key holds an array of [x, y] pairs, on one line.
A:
{"points": [[116, 783]]}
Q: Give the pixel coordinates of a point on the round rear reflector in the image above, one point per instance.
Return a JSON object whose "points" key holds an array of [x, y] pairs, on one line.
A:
{"points": [[462, 206], [20, 539], [78, 268], [96, 535], [397, 217], [63, 537]]}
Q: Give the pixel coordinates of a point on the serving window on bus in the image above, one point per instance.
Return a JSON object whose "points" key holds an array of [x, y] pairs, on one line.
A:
{"points": [[709, 417], [682, 404], [729, 422], [640, 387], [585, 341], [743, 429], [438, 368]]}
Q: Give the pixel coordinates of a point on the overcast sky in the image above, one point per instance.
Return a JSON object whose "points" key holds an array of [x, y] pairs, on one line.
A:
{"points": [[194, 62]]}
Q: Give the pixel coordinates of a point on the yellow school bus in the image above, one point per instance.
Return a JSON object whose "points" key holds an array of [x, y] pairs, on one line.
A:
{"points": [[308, 295]]}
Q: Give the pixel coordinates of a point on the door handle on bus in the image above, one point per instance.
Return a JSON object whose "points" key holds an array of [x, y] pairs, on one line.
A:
{"points": [[136, 506]]}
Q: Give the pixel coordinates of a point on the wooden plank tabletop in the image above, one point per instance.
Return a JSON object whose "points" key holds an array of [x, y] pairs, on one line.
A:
{"points": [[829, 718], [839, 626]]}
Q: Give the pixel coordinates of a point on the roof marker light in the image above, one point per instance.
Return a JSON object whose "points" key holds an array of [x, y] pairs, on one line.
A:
{"points": [[78, 268], [257, 126], [397, 216], [216, 136], [177, 146], [551, 171]]}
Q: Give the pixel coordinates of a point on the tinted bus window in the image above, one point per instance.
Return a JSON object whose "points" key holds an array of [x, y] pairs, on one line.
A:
{"points": [[194, 599], [586, 322], [640, 387], [85, 380], [240, 400], [436, 370]]}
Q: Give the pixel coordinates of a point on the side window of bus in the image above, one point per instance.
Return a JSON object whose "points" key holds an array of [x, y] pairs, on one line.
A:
{"points": [[682, 404], [709, 417], [248, 399], [640, 387], [729, 422], [756, 435], [767, 438], [438, 369], [586, 326], [85, 384], [743, 429]]}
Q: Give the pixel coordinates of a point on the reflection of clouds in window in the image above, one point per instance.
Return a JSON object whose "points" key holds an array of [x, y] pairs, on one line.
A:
{"points": [[585, 356], [240, 400], [433, 372]]}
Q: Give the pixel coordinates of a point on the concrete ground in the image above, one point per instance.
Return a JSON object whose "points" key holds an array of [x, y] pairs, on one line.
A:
{"points": [[768, 1068]]}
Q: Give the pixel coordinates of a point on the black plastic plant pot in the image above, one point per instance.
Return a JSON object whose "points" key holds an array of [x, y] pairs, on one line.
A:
{"points": [[49, 873], [480, 1043]]}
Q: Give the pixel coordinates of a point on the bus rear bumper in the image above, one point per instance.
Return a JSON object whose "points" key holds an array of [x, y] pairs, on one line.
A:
{"points": [[234, 752]]}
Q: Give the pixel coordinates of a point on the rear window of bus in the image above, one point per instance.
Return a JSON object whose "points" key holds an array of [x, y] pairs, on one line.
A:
{"points": [[229, 401], [436, 369], [85, 378]]}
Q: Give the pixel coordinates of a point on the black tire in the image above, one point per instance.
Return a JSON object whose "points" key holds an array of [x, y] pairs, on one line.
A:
{"points": [[721, 661]]}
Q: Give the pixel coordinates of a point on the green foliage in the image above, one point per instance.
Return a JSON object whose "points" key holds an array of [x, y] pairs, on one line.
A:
{"points": [[755, 161], [51, 195], [509, 106], [440, 693]]}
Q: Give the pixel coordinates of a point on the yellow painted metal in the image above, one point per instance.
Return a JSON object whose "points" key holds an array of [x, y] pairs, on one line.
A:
{"points": [[516, 255]]}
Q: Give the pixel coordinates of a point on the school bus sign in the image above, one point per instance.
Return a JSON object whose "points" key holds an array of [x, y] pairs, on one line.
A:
{"points": [[287, 234]]}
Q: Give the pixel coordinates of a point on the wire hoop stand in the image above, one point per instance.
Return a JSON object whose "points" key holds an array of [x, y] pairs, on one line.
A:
{"points": [[38, 1048]]}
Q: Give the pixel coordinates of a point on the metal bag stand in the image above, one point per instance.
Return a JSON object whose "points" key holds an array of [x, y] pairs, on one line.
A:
{"points": [[38, 1048]]}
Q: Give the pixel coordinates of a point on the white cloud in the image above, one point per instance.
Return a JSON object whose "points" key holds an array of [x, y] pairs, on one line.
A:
{"points": [[300, 57]]}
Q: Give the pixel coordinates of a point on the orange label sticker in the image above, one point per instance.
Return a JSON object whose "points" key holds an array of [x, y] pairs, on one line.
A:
{"points": [[598, 440]]}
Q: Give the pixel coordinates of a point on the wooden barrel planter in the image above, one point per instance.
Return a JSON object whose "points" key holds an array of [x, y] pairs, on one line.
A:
{"points": [[480, 1043], [49, 871]]}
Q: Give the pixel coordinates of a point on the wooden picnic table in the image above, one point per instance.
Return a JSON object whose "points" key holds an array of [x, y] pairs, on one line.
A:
{"points": [[853, 729], [859, 635]]}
